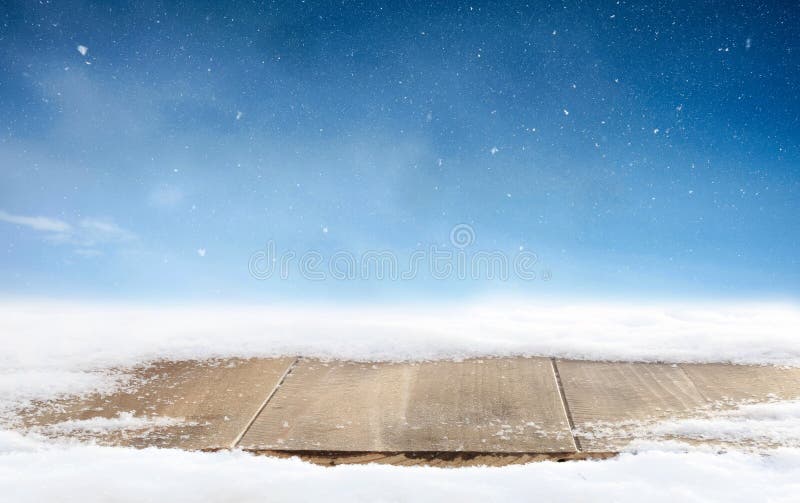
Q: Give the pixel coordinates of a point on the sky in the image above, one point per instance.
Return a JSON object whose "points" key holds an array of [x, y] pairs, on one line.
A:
{"points": [[163, 150]]}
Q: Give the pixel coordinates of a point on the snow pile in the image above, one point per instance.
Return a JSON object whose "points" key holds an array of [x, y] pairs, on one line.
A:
{"points": [[35, 472], [775, 423], [64, 336], [751, 425], [52, 348], [20, 385]]}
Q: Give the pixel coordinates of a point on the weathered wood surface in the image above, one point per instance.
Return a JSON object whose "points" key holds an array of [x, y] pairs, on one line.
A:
{"points": [[612, 404], [492, 411], [606, 397], [735, 384], [490, 405], [187, 404]]}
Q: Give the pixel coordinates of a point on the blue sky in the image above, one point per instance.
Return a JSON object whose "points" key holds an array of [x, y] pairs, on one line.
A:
{"points": [[639, 149]]}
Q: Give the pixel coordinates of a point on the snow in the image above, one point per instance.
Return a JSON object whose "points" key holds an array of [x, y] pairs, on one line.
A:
{"points": [[760, 423], [58, 347], [35, 469], [125, 421], [51, 347], [32, 471], [69, 336], [83, 50], [750, 426], [20, 384]]}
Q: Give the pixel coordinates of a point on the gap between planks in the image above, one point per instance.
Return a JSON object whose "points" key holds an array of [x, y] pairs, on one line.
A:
{"points": [[275, 389], [565, 404]]}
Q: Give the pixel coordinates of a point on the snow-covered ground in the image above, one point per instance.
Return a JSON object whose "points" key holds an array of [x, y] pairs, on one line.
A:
{"points": [[35, 472], [67, 335], [56, 347]]}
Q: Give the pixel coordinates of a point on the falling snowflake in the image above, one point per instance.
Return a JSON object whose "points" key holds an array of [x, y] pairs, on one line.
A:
{"points": [[83, 50], [201, 252]]}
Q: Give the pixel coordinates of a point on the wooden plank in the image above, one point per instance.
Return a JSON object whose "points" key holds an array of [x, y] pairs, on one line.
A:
{"points": [[490, 405], [604, 398], [491, 411], [723, 384], [207, 403]]}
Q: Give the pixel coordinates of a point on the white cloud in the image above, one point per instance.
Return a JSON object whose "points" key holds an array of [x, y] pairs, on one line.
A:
{"points": [[86, 235], [43, 224], [105, 230]]}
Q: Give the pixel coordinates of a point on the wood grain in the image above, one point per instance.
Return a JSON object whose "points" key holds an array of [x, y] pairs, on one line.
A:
{"points": [[724, 384], [604, 396], [490, 405], [489, 411]]}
